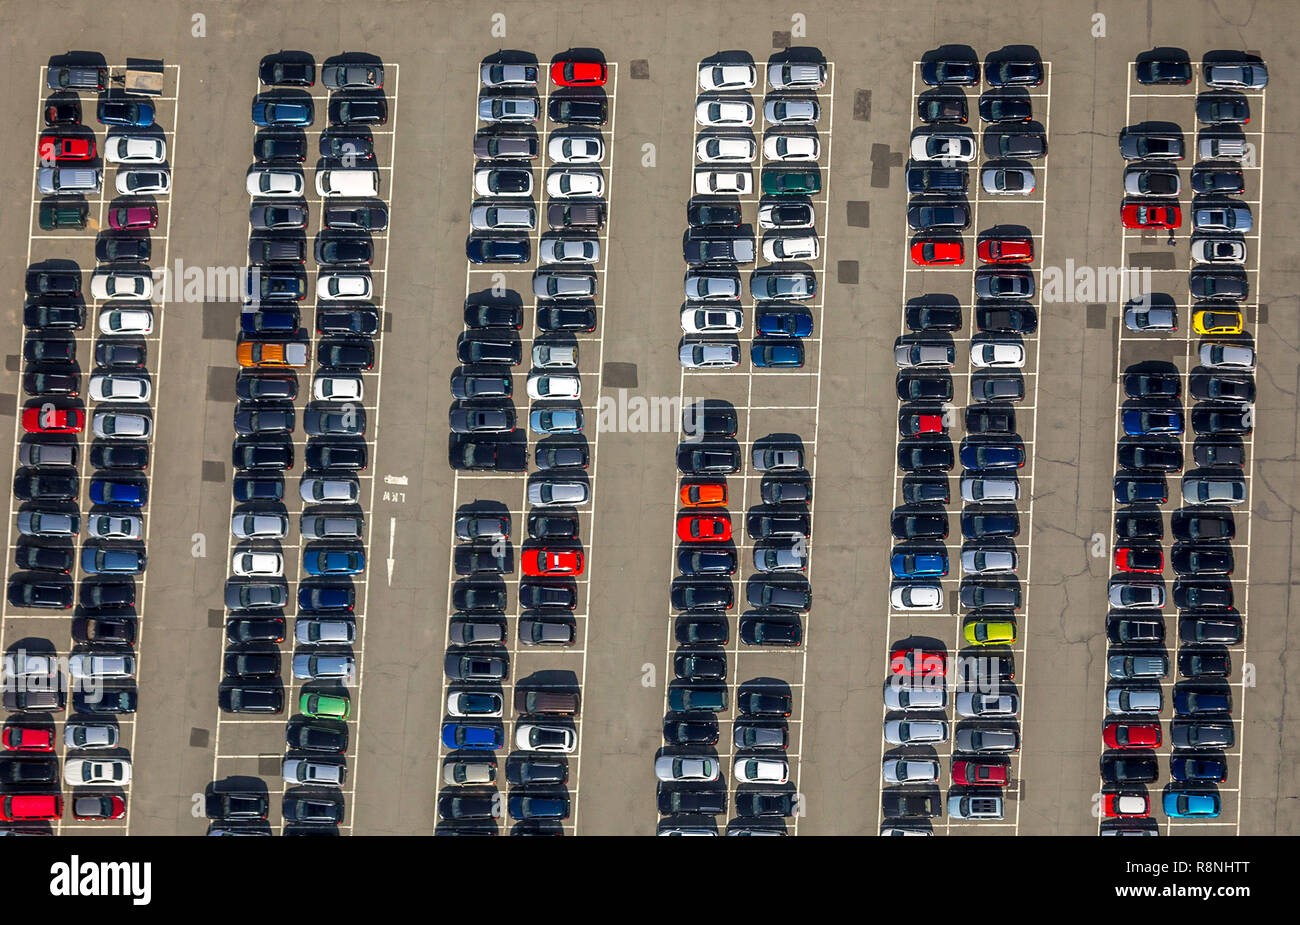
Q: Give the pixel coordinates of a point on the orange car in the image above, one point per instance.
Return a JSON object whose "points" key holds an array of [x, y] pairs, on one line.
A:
{"points": [[704, 494], [272, 353]]}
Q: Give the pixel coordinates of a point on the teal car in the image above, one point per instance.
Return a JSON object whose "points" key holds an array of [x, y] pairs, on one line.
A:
{"points": [[792, 182], [1184, 804]]}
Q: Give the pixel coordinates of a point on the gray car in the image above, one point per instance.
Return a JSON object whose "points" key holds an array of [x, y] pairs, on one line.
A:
{"points": [[1222, 217], [767, 286], [916, 697], [260, 526], [781, 556], [323, 667], [331, 526], [981, 561], [324, 631], [1207, 490], [48, 523], [1144, 318], [1122, 699], [910, 770], [256, 595], [552, 492], [1125, 666], [973, 703], [987, 739]]}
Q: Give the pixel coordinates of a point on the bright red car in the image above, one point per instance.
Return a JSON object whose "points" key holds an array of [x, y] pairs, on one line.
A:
{"points": [[979, 773], [704, 494], [704, 528], [553, 562], [1130, 805], [919, 662], [28, 739], [567, 73], [937, 253], [1140, 559], [913, 424], [59, 148], [39, 419], [1142, 215], [1131, 735], [1006, 250]]}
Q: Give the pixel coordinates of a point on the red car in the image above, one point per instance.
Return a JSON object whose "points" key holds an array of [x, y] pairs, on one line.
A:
{"points": [[1132, 559], [1131, 735], [40, 419], [937, 253], [979, 773], [87, 806], [704, 528], [579, 73], [704, 494], [913, 424], [58, 148], [1142, 215], [123, 218], [553, 562], [919, 662], [1129, 805], [1006, 250], [28, 739]]}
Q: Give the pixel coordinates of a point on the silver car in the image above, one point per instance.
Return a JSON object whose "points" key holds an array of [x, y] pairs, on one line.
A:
{"points": [[1214, 490], [111, 425], [1227, 356], [978, 704], [1139, 318], [259, 526], [772, 459], [791, 111], [48, 523], [1243, 76], [332, 490], [549, 493], [312, 771], [1222, 217], [981, 488], [1126, 594], [911, 356], [924, 696], [498, 108], [778, 556], [114, 527], [709, 355], [712, 286], [911, 770], [331, 527], [324, 631], [323, 667], [558, 285], [469, 772], [1122, 699], [90, 735], [555, 356], [569, 250], [984, 561], [916, 732], [508, 75]]}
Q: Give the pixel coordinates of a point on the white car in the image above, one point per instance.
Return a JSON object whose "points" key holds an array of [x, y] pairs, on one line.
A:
{"points": [[997, 355], [1007, 181], [338, 388], [122, 284], [791, 148], [126, 321], [547, 387], [533, 737], [778, 248], [313, 772], [119, 387], [142, 182], [568, 250], [785, 215], [709, 356], [724, 113], [341, 490], [916, 731], [671, 768], [79, 771], [112, 425], [257, 564], [712, 286], [724, 182], [343, 286], [134, 149], [1223, 251], [920, 595], [939, 147], [727, 77], [485, 181], [1227, 356], [458, 703], [573, 148], [708, 320], [910, 770], [792, 111], [720, 149], [761, 770], [563, 184], [114, 527], [276, 183], [90, 735]]}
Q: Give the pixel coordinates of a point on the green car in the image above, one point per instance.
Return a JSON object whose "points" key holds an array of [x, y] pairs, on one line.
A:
{"points": [[792, 182], [979, 632], [332, 706], [55, 214]]}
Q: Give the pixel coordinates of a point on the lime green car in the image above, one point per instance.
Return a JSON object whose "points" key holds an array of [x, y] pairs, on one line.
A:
{"points": [[792, 182], [990, 632], [331, 706]]}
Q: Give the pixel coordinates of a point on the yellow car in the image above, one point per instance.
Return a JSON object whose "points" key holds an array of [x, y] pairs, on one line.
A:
{"points": [[1217, 322], [990, 632]]}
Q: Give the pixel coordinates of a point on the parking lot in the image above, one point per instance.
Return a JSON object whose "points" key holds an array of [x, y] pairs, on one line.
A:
{"points": [[842, 405]]}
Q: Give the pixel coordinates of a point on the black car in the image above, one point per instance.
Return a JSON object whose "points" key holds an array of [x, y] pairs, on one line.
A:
{"points": [[552, 526], [709, 418], [134, 248], [919, 524], [691, 729], [47, 593], [474, 348], [1204, 662], [232, 805], [521, 772], [794, 490], [335, 455], [261, 453], [552, 455], [346, 354], [318, 735], [916, 455], [487, 455], [1223, 388], [925, 491], [1152, 385], [708, 459], [554, 318], [348, 147], [538, 596], [1200, 524], [1202, 594], [498, 250], [980, 523], [1218, 453], [1126, 769], [995, 108], [493, 315], [706, 561], [260, 418], [942, 109], [1025, 144], [1218, 180], [576, 110], [479, 597], [251, 698], [705, 802], [107, 701], [358, 110], [274, 387], [270, 146], [702, 594], [793, 594], [48, 379], [763, 524], [1020, 319], [252, 663], [700, 665], [1139, 524], [470, 384], [49, 316], [255, 629], [937, 180], [363, 320], [705, 214], [343, 249], [62, 110], [933, 318], [696, 629], [919, 387], [1014, 72], [258, 488], [281, 71], [771, 629], [990, 419], [316, 809], [108, 594], [1222, 419], [19, 772], [1164, 71], [62, 350], [46, 484], [1201, 559], [368, 217], [126, 455], [44, 558], [1166, 456]]}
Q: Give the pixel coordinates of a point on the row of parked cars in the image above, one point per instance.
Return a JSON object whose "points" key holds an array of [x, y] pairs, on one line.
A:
{"points": [[101, 670], [1151, 449], [991, 453], [272, 346]]}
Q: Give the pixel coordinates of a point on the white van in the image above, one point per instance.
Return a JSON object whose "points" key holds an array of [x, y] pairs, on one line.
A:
{"points": [[349, 182]]}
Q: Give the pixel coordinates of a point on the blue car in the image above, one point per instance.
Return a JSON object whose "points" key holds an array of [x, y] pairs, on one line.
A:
{"points": [[525, 806], [109, 560], [1198, 769], [556, 421], [498, 250], [1182, 804], [1152, 421], [919, 564], [324, 597], [268, 321], [333, 561], [121, 494], [471, 736], [282, 112], [783, 355], [784, 324], [132, 113], [992, 456]]}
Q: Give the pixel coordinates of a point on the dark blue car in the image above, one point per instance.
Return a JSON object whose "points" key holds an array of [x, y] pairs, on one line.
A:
{"points": [[471, 736], [498, 250], [282, 112], [133, 113], [1198, 768], [768, 355], [268, 321], [785, 324], [539, 807], [118, 493], [325, 597]]}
